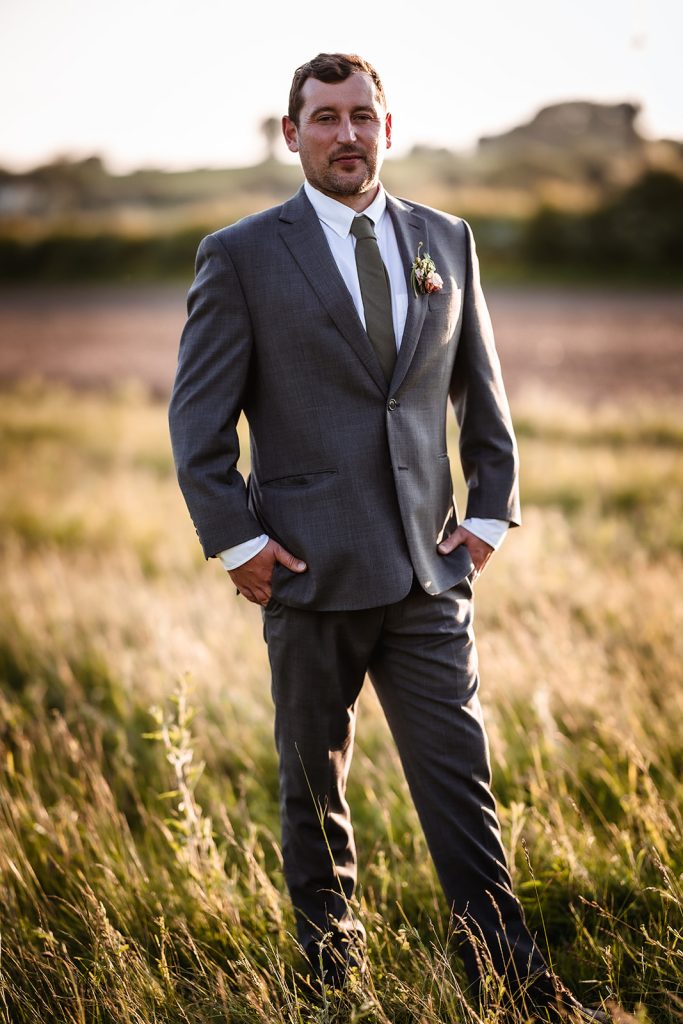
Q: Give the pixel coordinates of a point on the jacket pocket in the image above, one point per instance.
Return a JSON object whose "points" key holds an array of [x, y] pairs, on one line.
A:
{"points": [[300, 479]]}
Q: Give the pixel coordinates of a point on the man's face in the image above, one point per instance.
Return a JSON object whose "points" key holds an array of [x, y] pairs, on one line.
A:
{"points": [[342, 136]]}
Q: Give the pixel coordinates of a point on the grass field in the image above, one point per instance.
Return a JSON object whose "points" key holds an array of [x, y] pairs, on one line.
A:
{"points": [[139, 856]]}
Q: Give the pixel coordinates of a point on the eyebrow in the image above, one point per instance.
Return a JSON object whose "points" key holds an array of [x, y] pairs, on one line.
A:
{"points": [[333, 110]]}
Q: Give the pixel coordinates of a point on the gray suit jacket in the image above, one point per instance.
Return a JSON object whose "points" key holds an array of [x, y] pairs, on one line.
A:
{"points": [[347, 472]]}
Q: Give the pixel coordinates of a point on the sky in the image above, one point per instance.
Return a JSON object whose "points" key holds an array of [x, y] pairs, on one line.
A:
{"points": [[179, 84]]}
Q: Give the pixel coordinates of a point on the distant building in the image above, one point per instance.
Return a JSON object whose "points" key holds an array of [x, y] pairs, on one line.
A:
{"points": [[20, 197]]}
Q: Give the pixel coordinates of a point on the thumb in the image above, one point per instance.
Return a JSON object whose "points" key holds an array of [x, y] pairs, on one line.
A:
{"points": [[289, 561], [452, 542]]}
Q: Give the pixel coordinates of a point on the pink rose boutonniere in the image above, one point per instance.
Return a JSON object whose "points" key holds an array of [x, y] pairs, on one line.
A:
{"points": [[423, 275]]}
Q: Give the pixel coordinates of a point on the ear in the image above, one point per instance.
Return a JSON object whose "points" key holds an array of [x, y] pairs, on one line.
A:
{"points": [[291, 134], [387, 130]]}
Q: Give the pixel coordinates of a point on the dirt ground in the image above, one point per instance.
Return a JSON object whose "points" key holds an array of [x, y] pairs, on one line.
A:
{"points": [[587, 345]]}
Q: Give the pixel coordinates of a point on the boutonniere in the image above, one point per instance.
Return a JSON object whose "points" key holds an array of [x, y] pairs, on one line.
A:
{"points": [[423, 275]]}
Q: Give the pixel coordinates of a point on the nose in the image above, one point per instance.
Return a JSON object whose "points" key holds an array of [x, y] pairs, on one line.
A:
{"points": [[345, 131]]}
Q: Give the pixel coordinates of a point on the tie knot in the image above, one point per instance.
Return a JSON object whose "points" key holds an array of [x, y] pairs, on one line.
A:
{"points": [[362, 227]]}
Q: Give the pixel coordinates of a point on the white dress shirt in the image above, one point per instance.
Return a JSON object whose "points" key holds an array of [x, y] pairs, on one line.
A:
{"points": [[335, 219]]}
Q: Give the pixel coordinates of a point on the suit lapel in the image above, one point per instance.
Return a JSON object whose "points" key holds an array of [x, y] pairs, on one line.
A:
{"points": [[410, 230], [304, 237]]}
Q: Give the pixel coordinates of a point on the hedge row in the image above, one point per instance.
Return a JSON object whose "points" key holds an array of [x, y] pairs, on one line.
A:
{"points": [[641, 229]]}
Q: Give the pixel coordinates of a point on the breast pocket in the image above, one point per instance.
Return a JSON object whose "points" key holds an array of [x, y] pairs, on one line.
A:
{"points": [[446, 305]]}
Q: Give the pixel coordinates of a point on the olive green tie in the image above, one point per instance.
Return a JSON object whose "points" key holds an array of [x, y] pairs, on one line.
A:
{"points": [[376, 293]]}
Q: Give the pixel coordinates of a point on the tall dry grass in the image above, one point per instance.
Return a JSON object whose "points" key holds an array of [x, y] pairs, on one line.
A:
{"points": [[139, 857]]}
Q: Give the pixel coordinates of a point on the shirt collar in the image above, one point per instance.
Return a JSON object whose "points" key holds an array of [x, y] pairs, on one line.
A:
{"points": [[337, 216]]}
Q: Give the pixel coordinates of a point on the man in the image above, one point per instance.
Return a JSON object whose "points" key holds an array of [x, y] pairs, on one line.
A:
{"points": [[341, 324]]}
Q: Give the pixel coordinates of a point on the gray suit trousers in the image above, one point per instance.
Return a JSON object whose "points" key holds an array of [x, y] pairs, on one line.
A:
{"points": [[420, 656]]}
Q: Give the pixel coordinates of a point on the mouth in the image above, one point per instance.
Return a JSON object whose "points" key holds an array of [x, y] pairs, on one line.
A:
{"points": [[346, 159]]}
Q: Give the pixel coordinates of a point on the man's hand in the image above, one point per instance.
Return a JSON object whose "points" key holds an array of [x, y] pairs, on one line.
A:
{"points": [[479, 550], [254, 578]]}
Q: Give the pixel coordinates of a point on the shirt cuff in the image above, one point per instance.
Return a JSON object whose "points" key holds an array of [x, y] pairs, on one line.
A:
{"points": [[232, 558], [492, 531]]}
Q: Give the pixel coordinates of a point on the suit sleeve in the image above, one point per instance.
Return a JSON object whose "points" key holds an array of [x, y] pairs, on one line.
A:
{"points": [[210, 383], [488, 450]]}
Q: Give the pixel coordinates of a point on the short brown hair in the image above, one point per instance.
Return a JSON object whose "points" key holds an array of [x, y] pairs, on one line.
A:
{"points": [[330, 67]]}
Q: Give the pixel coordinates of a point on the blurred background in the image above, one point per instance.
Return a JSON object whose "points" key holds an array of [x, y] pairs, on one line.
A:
{"points": [[128, 133], [139, 829]]}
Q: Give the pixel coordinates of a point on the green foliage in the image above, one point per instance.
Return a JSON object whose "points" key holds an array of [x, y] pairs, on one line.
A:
{"points": [[640, 228], [139, 850], [106, 256], [629, 232]]}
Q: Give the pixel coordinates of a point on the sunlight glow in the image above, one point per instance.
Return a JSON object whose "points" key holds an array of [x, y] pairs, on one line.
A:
{"points": [[171, 84]]}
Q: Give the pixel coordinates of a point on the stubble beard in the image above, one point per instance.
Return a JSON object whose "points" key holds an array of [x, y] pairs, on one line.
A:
{"points": [[335, 182]]}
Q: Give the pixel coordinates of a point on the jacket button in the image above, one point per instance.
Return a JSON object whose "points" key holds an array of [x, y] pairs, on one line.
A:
{"points": [[392, 404]]}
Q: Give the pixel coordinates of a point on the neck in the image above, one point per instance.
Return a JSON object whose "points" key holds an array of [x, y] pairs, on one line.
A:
{"points": [[357, 202]]}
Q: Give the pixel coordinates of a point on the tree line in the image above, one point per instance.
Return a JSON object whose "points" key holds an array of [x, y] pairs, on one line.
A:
{"points": [[638, 231]]}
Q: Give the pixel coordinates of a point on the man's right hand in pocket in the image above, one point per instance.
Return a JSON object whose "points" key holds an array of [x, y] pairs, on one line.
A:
{"points": [[254, 578]]}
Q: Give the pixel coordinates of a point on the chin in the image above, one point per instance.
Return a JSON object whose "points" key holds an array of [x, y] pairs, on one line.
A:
{"points": [[350, 186]]}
